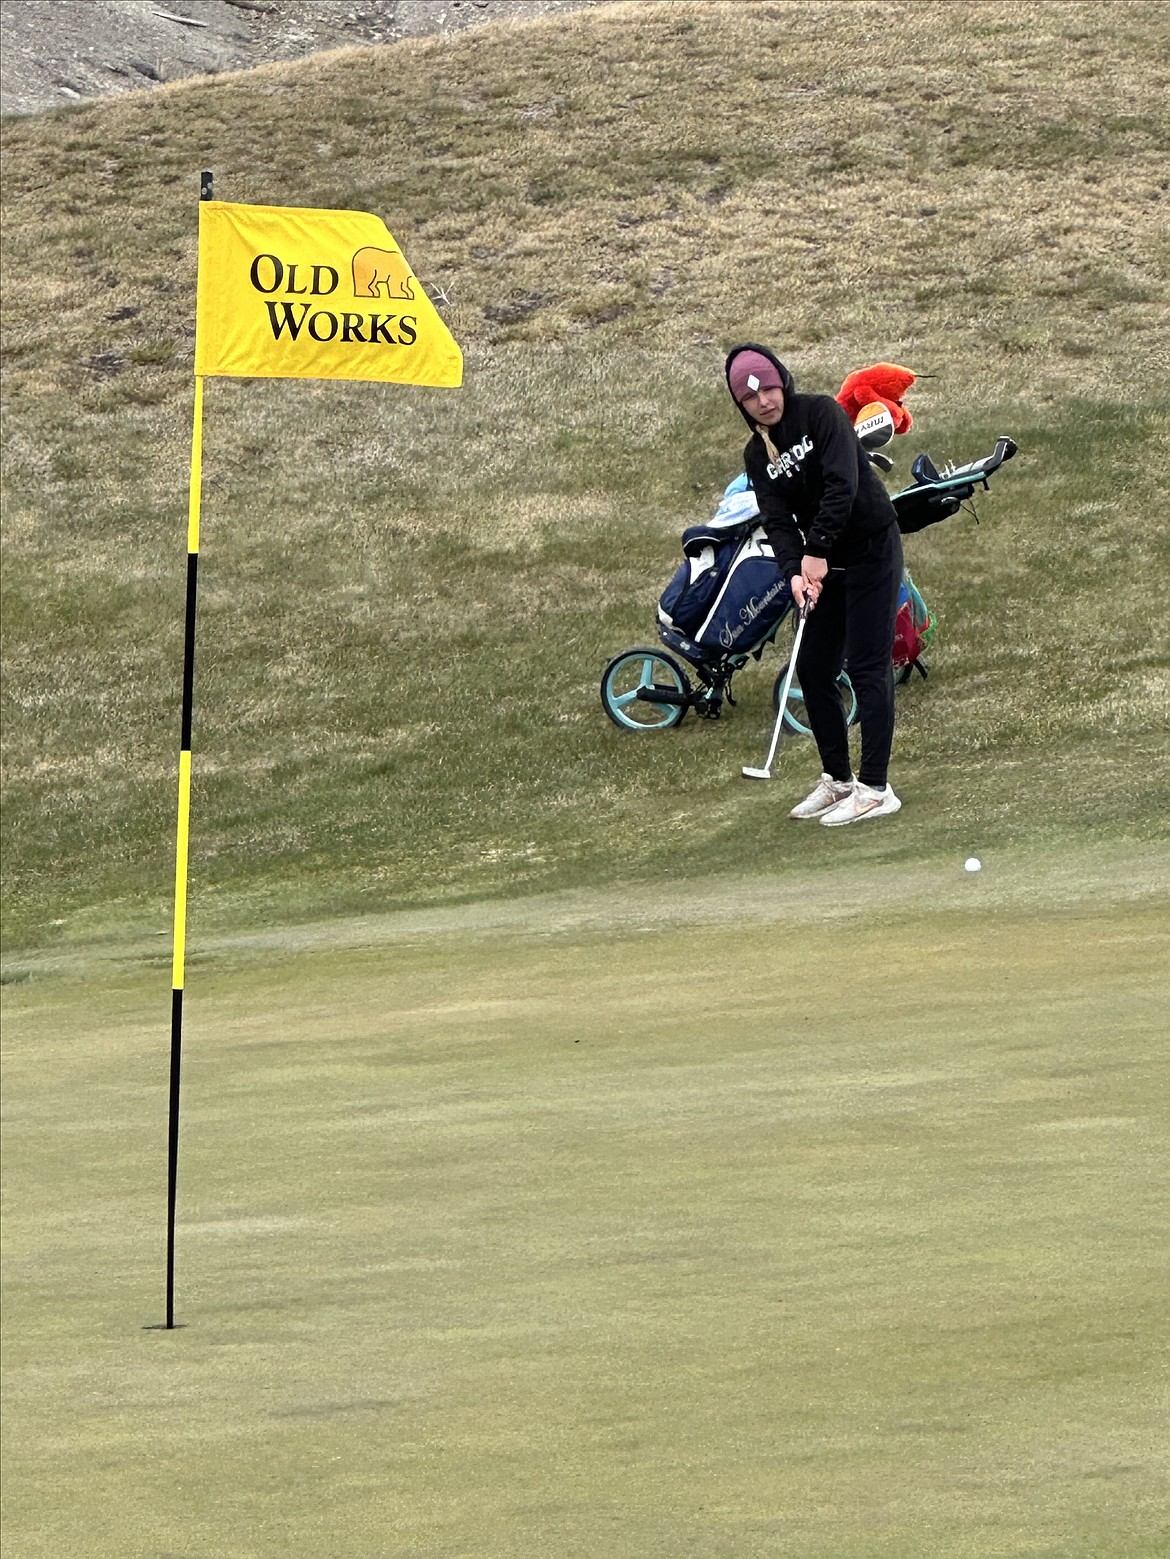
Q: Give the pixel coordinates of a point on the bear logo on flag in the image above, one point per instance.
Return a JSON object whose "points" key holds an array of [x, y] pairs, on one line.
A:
{"points": [[374, 269]]}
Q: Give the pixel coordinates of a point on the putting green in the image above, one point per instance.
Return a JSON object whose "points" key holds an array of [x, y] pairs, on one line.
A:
{"points": [[620, 1224]]}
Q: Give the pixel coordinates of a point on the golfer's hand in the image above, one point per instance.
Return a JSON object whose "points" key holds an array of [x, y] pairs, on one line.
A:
{"points": [[808, 583]]}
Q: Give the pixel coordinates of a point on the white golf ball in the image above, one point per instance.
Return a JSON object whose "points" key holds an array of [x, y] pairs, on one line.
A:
{"points": [[972, 864]]}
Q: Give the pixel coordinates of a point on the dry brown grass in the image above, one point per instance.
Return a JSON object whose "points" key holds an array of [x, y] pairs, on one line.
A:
{"points": [[408, 596], [978, 188]]}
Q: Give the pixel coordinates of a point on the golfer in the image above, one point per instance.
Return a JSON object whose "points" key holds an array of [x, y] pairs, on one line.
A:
{"points": [[835, 536]]}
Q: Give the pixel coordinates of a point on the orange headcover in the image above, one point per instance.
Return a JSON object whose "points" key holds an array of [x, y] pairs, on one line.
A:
{"points": [[884, 382]]}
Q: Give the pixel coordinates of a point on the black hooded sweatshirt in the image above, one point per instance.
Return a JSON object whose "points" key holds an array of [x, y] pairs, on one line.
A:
{"points": [[822, 496]]}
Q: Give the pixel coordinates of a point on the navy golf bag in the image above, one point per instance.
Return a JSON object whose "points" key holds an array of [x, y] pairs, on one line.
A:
{"points": [[722, 607], [727, 597]]}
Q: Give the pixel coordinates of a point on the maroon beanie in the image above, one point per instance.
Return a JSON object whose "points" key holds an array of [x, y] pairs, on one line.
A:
{"points": [[752, 371]]}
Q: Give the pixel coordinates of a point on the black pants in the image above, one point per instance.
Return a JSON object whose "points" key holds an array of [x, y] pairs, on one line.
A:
{"points": [[854, 622]]}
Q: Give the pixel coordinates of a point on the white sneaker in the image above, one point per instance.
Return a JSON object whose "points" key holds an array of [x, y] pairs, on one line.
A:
{"points": [[824, 798], [862, 801]]}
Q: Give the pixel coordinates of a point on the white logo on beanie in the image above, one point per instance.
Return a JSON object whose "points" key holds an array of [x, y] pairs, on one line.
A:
{"points": [[753, 382]]}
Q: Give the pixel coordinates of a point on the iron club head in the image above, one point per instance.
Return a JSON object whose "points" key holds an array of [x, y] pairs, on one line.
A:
{"points": [[756, 773]]}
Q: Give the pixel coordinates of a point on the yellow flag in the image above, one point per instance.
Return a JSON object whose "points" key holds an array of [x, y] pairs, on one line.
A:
{"points": [[286, 293]]}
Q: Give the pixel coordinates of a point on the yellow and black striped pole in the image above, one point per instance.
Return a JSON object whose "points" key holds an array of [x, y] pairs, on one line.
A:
{"points": [[182, 833]]}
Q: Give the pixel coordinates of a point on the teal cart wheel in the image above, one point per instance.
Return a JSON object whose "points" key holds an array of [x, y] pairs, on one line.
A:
{"points": [[641, 672], [795, 717]]}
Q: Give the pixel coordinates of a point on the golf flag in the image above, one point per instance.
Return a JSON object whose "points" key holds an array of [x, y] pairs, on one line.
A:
{"points": [[285, 293], [291, 293]]}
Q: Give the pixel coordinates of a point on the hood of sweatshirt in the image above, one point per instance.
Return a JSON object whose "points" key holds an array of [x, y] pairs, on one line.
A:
{"points": [[787, 382]]}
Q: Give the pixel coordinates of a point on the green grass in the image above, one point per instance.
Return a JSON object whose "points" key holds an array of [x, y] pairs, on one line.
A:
{"points": [[612, 1226]]}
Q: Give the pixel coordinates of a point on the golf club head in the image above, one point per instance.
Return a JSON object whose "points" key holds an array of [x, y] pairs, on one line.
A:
{"points": [[756, 773]]}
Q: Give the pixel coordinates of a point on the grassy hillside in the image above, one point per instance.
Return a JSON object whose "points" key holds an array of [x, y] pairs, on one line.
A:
{"points": [[408, 596]]}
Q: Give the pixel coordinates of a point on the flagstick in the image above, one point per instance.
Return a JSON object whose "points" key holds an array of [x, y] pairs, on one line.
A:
{"points": [[182, 836], [182, 832]]}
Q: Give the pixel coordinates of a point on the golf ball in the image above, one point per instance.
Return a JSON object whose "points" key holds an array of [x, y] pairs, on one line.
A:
{"points": [[972, 864]]}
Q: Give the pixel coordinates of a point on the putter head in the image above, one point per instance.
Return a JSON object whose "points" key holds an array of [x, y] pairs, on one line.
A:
{"points": [[756, 773]]}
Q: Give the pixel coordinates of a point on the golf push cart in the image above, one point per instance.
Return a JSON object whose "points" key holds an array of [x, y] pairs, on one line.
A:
{"points": [[727, 602]]}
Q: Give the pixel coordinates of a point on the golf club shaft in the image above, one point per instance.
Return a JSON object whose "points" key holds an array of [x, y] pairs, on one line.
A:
{"points": [[787, 686]]}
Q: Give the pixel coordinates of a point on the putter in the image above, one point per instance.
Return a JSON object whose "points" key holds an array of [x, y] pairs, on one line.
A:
{"points": [[766, 771]]}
